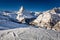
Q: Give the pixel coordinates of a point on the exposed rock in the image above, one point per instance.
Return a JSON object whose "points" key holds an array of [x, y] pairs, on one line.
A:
{"points": [[46, 20], [19, 14], [37, 20], [42, 20], [57, 26], [55, 10], [55, 18], [23, 14], [20, 10], [52, 11]]}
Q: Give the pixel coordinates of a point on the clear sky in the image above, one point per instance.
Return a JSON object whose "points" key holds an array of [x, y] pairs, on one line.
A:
{"points": [[33, 5]]}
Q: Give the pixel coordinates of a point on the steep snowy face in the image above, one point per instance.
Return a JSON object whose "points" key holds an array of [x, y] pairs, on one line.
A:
{"points": [[57, 26], [22, 14], [37, 13], [19, 14], [27, 14], [20, 10], [47, 18], [52, 11], [42, 19], [55, 10]]}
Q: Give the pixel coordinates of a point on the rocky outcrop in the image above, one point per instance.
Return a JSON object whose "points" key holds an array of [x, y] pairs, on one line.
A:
{"points": [[57, 26], [42, 20], [19, 15], [55, 18], [55, 10], [47, 19], [23, 14]]}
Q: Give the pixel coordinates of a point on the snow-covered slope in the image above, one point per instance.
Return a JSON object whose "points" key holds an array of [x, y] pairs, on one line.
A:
{"points": [[8, 21], [29, 34]]}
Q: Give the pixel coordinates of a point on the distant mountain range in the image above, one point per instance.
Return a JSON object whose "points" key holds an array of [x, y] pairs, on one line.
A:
{"points": [[41, 19], [29, 25]]}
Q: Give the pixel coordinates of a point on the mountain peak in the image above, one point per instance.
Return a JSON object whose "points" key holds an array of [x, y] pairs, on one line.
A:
{"points": [[55, 10], [20, 10]]}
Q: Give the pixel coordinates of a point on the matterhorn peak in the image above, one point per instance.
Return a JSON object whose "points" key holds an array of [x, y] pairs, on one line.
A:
{"points": [[20, 10], [20, 13]]}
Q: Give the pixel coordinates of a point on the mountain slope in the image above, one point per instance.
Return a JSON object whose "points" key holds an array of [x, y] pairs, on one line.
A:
{"points": [[29, 34]]}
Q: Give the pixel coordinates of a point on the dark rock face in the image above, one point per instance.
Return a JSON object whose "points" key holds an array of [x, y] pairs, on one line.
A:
{"points": [[57, 10], [55, 18], [57, 26], [28, 20]]}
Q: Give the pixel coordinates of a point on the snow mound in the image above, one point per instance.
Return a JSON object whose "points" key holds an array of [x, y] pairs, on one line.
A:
{"points": [[29, 34]]}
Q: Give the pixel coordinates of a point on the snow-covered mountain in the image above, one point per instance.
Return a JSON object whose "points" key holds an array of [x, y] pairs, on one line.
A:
{"points": [[48, 18], [23, 14], [43, 19], [9, 20], [23, 25]]}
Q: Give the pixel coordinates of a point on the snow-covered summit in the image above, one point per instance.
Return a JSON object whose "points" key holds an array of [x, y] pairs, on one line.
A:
{"points": [[37, 18], [22, 14], [20, 10], [54, 10]]}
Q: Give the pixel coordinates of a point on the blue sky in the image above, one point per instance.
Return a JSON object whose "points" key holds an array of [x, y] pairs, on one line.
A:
{"points": [[33, 5]]}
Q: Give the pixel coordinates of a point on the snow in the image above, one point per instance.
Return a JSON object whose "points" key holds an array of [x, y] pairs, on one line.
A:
{"points": [[23, 14], [29, 34], [15, 25], [47, 19], [10, 22], [14, 18]]}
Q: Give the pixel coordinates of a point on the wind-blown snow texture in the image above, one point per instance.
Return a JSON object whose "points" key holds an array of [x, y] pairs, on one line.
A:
{"points": [[29, 34]]}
